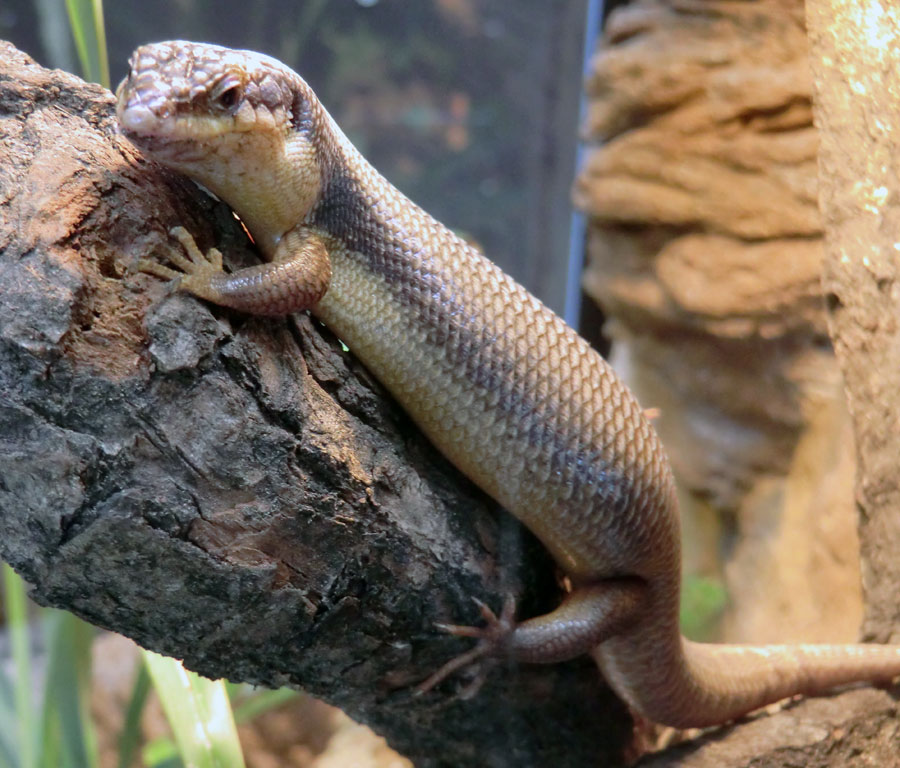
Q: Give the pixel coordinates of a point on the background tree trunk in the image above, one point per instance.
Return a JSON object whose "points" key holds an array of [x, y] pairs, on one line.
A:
{"points": [[706, 252], [856, 65]]}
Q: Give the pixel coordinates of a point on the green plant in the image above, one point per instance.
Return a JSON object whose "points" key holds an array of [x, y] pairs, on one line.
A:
{"points": [[86, 20], [54, 729], [199, 714]]}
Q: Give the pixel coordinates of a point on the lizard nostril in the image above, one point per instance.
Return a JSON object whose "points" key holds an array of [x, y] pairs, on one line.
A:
{"points": [[137, 117]]}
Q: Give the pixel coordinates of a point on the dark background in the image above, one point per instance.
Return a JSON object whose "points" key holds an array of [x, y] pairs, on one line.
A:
{"points": [[470, 107]]}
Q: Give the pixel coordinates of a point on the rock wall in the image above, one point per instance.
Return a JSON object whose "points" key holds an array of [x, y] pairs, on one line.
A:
{"points": [[705, 251]]}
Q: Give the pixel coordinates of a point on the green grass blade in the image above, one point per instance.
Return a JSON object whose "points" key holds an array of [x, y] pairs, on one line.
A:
{"points": [[161, 753], [86, 19], [7, 758], [48, 753], [199, 714], [8, 752], [702, 601], [8, 742], [130, 737], [67, 729], [17, 622], [263, 701], [74, 702]]}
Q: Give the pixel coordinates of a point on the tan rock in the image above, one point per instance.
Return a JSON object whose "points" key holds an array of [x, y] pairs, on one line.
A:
{"points": [[705, 252]]}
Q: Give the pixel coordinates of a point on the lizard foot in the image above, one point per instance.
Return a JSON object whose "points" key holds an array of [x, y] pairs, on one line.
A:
{"points": [[492, 642], [193, 271]]}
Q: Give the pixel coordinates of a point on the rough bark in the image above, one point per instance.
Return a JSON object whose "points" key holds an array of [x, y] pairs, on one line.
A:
{"points": [[856, 65], [855, 729], [236, 492]]}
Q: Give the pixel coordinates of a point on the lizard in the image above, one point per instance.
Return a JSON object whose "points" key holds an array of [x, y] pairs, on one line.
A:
{"points": [[508, 392]]}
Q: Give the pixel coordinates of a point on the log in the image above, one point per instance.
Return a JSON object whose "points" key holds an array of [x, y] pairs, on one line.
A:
{"points": [[239, 492]]}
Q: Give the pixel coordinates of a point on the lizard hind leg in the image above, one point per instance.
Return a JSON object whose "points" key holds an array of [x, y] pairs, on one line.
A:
{"points": [[590, 614], [492, 639]]}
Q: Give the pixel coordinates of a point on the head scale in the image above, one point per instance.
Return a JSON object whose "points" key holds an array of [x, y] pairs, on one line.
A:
{"points": [[232, 120]]}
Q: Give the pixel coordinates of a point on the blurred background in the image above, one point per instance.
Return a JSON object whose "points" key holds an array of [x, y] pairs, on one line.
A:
{"points": [[470, 107]]}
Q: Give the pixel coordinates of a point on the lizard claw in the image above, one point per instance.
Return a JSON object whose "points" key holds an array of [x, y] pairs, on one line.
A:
{"points": [[492, 640], [210, 261], [195, 265], [189, 269]]}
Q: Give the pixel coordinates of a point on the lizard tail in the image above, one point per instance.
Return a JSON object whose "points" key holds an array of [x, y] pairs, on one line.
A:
{"points": [[715, 683]]}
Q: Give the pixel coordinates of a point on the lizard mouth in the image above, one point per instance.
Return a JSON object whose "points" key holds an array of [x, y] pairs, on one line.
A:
{"points": [[164, 133], [165, 148]]}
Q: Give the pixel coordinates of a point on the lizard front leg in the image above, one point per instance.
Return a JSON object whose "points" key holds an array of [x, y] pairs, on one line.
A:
{"points": [[296, 278]]}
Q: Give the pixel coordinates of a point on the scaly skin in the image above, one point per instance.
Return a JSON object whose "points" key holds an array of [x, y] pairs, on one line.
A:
{"points": [[502, 386]]}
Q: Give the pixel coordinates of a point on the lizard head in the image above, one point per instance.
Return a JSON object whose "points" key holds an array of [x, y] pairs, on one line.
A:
{"points": [[242, 124]]}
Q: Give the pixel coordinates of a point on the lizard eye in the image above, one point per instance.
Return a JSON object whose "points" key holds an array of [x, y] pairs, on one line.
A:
{"points": [[227, 93]]}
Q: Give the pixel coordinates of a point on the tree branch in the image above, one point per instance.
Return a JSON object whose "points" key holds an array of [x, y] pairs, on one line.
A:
{"points": [[232, 491]]}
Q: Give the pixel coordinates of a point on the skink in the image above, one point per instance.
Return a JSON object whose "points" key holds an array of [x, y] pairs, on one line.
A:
{"points": [[502, 386]]}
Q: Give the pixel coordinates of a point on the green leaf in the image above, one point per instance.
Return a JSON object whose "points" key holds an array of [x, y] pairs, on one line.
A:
{"points": [[86, 19], [8, 741], [130, 737], [161, 753], [68, 733], [261, 702], [702, 601], [199, 714], [17, 622], [7, 758]]}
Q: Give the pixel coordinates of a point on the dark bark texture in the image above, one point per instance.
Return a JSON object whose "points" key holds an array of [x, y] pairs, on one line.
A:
{"points": [[236, 492]]}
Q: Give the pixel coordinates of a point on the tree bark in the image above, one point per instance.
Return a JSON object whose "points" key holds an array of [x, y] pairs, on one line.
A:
{"points": [[237, 492], [856, 66]]}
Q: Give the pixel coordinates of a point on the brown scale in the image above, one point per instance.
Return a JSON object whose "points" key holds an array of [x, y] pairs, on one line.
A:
{"points": [[501, 385]]}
